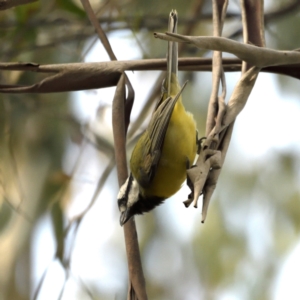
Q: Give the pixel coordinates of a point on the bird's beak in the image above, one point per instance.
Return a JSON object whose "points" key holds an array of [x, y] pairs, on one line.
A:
{"points": [[125, 216]]}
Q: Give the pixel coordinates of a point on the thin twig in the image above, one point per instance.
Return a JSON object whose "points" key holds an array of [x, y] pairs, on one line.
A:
{"points": [[103, 38], [257, 56], [137, 289]]}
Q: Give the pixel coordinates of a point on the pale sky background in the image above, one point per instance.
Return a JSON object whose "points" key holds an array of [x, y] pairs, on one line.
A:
{"points": [[253, 144]]}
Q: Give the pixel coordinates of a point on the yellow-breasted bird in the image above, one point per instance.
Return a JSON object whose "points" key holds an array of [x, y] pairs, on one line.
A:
{"points": [[165, 150]]}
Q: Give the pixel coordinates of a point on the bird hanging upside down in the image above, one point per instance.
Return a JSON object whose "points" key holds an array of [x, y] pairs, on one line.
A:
{"points": [[165, 150]]}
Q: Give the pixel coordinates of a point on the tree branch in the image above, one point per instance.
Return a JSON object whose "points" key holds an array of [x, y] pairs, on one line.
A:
{"points": [[6, 4], [85, 76]]}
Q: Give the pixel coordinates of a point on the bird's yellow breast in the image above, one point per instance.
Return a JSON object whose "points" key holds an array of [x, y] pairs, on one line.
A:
{"points": [[178, 152]]}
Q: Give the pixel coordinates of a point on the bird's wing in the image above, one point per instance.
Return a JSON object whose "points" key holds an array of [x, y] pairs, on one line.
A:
{"points": [[160, 119], [156, 131]]}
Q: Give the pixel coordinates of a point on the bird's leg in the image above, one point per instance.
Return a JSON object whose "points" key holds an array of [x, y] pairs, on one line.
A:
{"points": [[199, 142], [190, 185]]}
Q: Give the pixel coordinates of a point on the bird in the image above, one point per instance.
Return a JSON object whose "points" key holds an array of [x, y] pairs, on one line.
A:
{"points": [[165, 150]]}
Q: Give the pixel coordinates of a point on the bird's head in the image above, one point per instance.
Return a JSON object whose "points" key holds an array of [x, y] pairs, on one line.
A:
{"points": [[132, 202]]}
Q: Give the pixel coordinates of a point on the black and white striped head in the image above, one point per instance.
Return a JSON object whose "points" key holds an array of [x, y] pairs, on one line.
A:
{"points": [[131, 202], [128, 196]]}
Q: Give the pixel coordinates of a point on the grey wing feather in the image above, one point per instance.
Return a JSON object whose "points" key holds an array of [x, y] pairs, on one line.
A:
{"points": [[157, 130], [160, 119]]}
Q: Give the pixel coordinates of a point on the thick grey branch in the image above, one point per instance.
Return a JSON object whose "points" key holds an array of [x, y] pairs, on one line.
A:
{"points": [[84, 76]]}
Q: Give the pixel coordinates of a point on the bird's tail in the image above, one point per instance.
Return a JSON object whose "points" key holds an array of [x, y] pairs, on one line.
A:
{"points": [[172, 56]]}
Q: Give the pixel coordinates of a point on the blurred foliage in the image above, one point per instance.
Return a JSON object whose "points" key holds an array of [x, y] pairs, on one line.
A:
{"points": [[279, 39], [254, 219]]}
